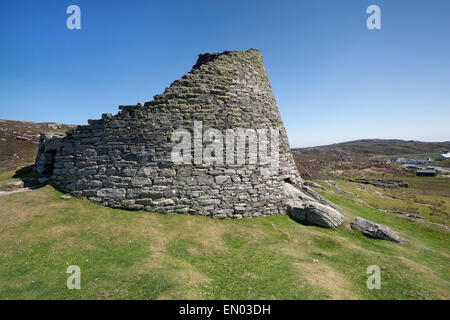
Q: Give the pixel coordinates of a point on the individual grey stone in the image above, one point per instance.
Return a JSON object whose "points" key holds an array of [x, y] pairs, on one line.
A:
{"points": [[133, 193], [240, 208], [210, 201], [86, 171], [167, 173], [95, 184], [146, 172], [191, 181], [196, 194], [205, 180], [376, 231], [139, 181], [128, 172], [90, 193], [221, 179], [111, 171], [152, 194], [89, 153], [162, 181], [118, 193], [65, 197], [163, 202], [170, 193], [118, 124], [225, 212]]}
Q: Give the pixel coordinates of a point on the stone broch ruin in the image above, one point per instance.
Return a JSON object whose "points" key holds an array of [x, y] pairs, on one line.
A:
{"points": [[123, 160]]}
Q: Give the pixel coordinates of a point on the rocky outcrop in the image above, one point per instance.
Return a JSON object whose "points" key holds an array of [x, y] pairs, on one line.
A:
{"points": [[375, 230], [307, 208]]}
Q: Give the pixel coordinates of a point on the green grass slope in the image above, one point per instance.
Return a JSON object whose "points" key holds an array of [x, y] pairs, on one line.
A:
{"points": [[141, 255]]}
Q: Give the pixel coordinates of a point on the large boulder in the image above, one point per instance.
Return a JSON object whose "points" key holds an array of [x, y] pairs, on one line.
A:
{"points": [[377, 231], [314, 213], [322, 215], [304, 208]]}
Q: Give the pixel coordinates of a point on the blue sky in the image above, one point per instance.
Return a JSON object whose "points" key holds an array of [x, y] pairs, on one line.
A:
{"points": [[334, 80]]}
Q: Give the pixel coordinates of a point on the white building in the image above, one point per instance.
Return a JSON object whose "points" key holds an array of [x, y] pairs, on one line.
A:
{"points": [[443, 156]]}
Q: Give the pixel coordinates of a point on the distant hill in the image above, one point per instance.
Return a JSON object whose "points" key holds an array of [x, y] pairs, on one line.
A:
{"points": [[374, 147], [19, 141]]}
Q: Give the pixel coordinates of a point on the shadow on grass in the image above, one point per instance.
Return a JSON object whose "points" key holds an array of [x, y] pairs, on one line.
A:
{"points": [[30, 178]]}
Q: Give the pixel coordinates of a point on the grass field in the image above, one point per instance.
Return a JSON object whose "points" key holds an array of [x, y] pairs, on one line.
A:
{"points": [[426, 197], [141, 255]]}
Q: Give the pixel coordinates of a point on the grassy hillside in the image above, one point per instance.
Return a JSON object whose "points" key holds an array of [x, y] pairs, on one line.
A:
{"points": [[141, 255]]}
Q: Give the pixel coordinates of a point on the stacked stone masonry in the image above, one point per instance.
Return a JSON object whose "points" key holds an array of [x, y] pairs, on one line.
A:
{"points": [[124, 160]]}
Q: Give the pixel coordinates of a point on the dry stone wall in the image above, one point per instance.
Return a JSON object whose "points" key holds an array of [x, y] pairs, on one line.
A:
{"points": [[124, 160]]}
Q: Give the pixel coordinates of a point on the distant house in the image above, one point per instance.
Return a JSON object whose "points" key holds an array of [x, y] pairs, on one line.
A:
{"points": [[398, 160], [410, 166], [443, 156], [426, 172]]}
